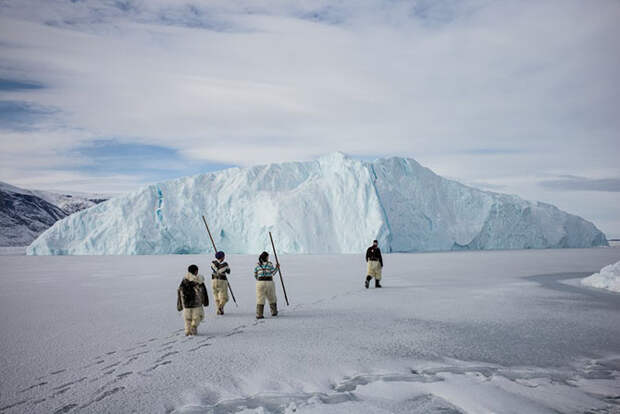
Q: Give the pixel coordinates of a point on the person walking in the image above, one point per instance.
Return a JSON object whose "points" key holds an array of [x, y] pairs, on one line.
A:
{"points": [[191, 297], [265, 287], [374, 264], [219, 281]]}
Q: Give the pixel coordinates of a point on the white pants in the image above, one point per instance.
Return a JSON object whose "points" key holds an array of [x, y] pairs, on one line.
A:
{"points": [[193, 317], [220, 292], [374, 269], [265, 289]]}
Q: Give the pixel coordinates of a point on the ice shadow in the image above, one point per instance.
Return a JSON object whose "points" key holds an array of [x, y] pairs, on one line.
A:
{"points": [[598, 298]]}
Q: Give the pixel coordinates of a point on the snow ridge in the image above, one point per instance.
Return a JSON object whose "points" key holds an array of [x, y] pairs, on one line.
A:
{"points": [[334, 204]]}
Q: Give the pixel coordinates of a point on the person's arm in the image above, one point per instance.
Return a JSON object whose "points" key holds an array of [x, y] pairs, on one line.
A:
{"points": [[256, 272], [220, 269], [367, 254], [273, 269], [380, 258], [179, 300], [205, 296], [223, 269]]}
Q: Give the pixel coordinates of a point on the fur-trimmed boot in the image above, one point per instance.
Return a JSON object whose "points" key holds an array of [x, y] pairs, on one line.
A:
{"points": [[377, 284], [259, 311], [274, 309], [367, 282]]}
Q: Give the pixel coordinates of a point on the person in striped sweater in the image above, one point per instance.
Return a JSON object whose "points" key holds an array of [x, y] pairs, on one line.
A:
{"points": [[265, 287], [219, 281]]}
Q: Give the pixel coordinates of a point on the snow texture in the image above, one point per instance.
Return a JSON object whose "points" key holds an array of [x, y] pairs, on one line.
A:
{"points": [[25, 214], [608, 278], [457, 332], [332, 205], [74, 201]]}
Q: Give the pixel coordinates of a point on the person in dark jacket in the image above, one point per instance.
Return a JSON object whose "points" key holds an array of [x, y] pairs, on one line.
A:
{"points": [[219, 282], [191, 297], [374, 264]]}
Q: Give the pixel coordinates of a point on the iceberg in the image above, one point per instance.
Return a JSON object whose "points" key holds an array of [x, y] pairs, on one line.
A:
{"points": [[608, 278], [334, 204]]}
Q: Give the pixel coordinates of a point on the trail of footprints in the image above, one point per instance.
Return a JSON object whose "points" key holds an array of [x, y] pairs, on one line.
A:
{"points": [[111, 369], [115, 361]]}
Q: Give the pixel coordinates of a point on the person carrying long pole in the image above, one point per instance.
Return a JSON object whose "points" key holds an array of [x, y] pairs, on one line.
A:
{"points": [[275, 255], [220, 270]]}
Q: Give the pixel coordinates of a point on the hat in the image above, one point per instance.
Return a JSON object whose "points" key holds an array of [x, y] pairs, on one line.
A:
{"points": [[219, 255]]}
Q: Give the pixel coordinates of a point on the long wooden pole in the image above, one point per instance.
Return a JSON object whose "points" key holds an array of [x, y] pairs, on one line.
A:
{"points": [[279, 269], [215, 249]]}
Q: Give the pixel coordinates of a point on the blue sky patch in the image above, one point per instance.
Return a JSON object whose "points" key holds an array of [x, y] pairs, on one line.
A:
{"points": [[21, 115], [151, 162], [10, 85]]}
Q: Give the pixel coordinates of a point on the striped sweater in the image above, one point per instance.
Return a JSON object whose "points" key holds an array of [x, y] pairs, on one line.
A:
{"points": [[219, 269], [264, 270]]}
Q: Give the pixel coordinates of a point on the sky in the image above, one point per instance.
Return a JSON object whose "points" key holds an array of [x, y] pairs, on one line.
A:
{"points": [[521, 97]]}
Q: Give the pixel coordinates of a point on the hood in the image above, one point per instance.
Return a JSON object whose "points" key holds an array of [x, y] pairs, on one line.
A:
{"points": [[194, 278]]}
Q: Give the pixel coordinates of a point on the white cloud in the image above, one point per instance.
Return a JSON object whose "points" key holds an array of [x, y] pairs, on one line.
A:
{"points": [[249, 82]]}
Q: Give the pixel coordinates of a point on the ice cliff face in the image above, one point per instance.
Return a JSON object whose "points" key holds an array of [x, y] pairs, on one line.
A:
{"points": [[332, 205]]}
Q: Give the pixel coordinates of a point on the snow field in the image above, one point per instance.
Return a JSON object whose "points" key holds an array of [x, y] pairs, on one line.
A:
{"points": [[453, 332]]}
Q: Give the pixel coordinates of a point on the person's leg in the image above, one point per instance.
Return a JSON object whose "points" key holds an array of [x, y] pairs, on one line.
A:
{"points": [[197, 317], [187, 317], [223, 294], [368, 274], [260, 299], [224, 299], [271, 296], [377, 275], [215, 288]]}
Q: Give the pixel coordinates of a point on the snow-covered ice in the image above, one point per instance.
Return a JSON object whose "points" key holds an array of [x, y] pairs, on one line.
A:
{"points": [[608, 278], [475, 332], [332, 205]]}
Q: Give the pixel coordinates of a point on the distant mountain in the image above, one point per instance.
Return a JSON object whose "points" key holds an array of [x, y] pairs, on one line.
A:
{"points": [[72, 202], [332, 205], [25, 214]]}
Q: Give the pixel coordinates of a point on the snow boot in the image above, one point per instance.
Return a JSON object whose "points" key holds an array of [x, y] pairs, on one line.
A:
{"points": [[220, 310], [259, 311], [274, 309], [367, 282], [377, 284]]}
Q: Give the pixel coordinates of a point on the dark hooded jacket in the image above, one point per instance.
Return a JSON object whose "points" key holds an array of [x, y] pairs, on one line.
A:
{"points": [[192, 292]]}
